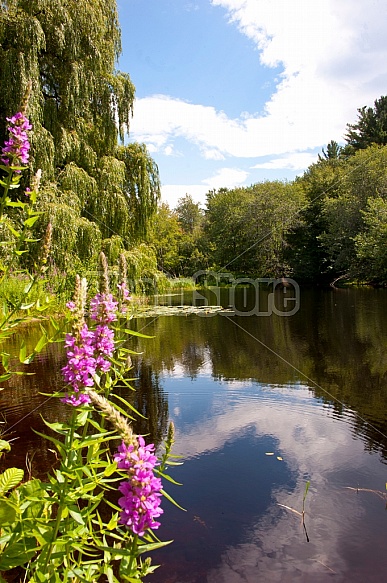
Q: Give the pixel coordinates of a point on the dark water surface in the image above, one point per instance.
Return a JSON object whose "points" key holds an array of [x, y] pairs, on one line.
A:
{"points": [[310, 389]]}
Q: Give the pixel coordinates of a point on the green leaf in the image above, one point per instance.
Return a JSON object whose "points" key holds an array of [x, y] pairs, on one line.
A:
{"points": [[306, 489], [17, 204], [10, 478], [82, 417], [42, 343], [27, 306], [112, 524], [22, 352], [27, 288], [5, 359], [134, 333], [17, 554], [61, 428], [31, 221], [168, 497], [167, 477], [110, 469], [4, 446], [54, 324], [146, 548], [34, 499], [77, 516], [59, 444], [7, 512]]}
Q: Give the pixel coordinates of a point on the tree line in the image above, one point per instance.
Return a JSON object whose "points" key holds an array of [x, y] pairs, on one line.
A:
{"points": [[102, 192], [328, 224]]}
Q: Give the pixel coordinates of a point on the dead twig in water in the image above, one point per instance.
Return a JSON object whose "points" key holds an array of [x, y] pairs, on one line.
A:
{"points": [[381, 495]]}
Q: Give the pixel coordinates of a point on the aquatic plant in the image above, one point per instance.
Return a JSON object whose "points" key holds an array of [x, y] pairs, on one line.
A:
{"points": [[302, 513]]}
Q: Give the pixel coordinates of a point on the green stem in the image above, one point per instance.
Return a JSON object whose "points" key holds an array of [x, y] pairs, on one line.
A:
{"points": [[133, 556], [8, 182], [63, 490]]}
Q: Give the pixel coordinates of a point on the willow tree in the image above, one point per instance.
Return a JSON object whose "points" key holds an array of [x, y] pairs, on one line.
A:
{"points": [[93, 188]]}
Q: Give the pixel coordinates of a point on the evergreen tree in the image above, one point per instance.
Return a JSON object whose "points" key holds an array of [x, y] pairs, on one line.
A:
{"points": [[93, 189], [371, 127], [333, 152]]}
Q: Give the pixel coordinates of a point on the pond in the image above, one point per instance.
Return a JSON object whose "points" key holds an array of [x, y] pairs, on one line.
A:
{"points": [[262, 404]]}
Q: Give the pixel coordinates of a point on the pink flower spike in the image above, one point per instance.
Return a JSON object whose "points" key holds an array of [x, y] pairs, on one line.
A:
{"points": [[15, 151], [140, 502]]}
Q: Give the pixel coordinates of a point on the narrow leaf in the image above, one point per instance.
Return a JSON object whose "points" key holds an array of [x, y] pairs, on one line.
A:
{"points": [[164, 493], [134, 333]]}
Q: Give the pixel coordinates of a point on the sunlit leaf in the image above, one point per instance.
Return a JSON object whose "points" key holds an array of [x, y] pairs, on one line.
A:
{"points": [[7, 512], [134, 333], [22, 351], [4, 446], [164, 493], [31, 221], [10, 478], [77, 516]]}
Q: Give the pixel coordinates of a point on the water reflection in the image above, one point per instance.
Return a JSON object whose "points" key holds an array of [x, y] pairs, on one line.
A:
{"points": [[234, 529], [150, 401], [336, 343], [309, 389]]}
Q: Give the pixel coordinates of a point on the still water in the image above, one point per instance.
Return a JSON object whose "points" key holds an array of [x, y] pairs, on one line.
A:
{"points": [[261, 405]]}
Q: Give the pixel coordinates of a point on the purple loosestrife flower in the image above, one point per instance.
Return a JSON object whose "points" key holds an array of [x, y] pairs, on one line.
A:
{"points": [[81, 366], [124, 297], [88, 350], [140, 502], [15, 151], [103, 343], [103, 308]]}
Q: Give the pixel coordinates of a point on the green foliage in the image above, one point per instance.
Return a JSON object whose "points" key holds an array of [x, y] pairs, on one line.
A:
{"points": [[306, 253], [324, 246], [247, 226], [370, 128], [64, 528], [143, 275], [333, 152], [79, 107], [165, 236], [189, 214], [12, 290], [371, 243]]}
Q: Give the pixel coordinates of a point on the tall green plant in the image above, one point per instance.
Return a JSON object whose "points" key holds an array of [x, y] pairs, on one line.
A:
{"points": [[67, 528]]}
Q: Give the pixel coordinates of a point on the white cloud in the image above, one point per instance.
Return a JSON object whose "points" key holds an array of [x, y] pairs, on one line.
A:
{"points": [[297, 161], [312, 444], [171, 193], [333, 56], [212, 154], [225, 177]]}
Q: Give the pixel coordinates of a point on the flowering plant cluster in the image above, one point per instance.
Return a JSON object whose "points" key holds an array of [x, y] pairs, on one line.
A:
{"points": [[88, 350], [140, 502], [88, 354], [54, 531], [15, 151]]}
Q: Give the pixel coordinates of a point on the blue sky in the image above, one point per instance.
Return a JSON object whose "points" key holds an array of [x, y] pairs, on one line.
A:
{"points": [[233, 92]]}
